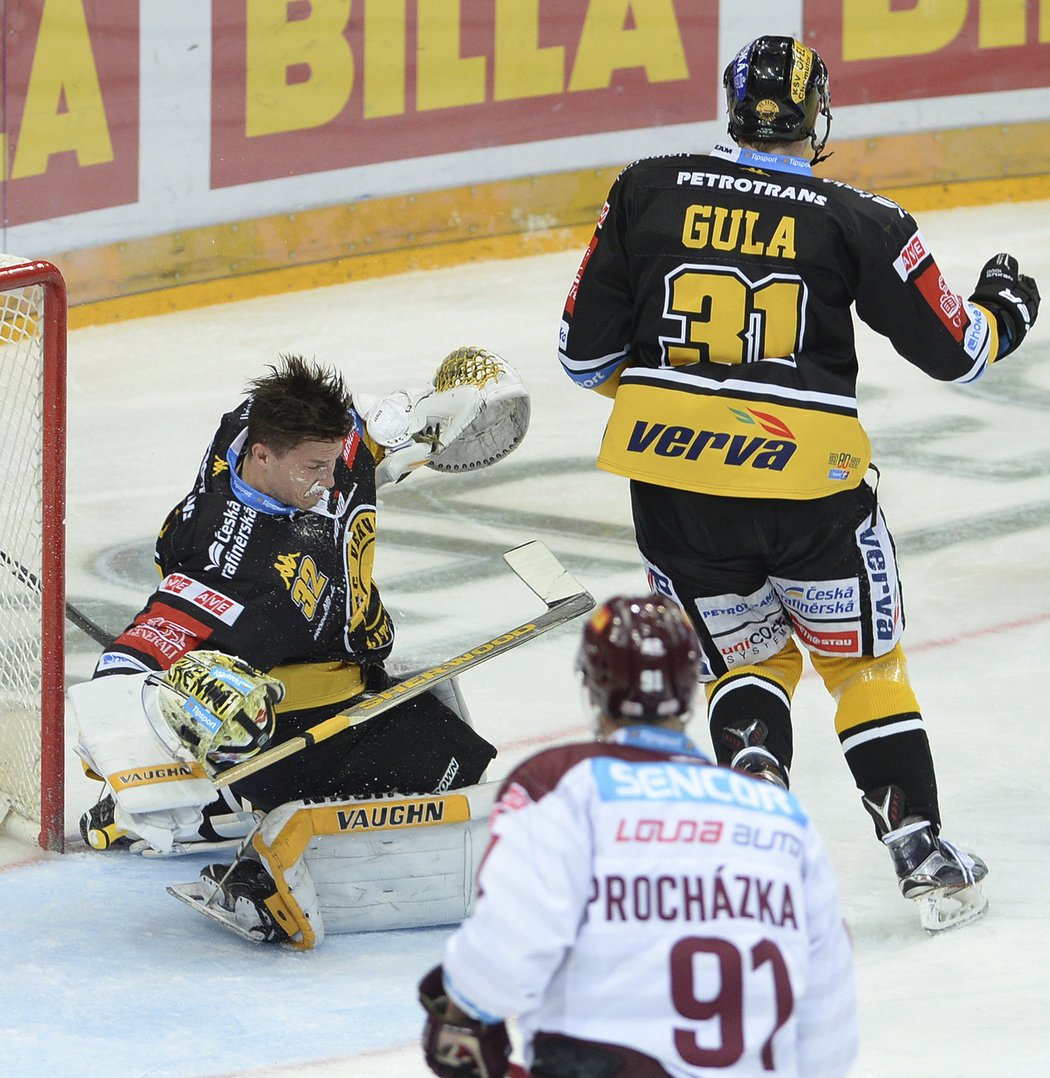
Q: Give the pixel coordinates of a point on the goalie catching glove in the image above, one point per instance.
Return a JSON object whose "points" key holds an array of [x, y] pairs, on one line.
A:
{"points": [[460, 1047], [213, 708], [475, 413]]}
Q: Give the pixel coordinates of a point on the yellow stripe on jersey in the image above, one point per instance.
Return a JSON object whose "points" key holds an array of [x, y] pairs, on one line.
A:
{"points": [[711, 437], [993, 329], [308, 685]]}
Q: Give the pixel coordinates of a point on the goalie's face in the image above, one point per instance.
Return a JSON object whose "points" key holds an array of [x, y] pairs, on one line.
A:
{"points": [[300, 477]]}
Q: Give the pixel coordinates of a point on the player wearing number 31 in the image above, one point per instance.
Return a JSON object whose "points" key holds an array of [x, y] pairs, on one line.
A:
{"points": [[714, 305], [642, 912]]}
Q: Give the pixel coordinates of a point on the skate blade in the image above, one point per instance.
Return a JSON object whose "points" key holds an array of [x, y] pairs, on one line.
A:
{"points": [[196, 896], [943, 910]]}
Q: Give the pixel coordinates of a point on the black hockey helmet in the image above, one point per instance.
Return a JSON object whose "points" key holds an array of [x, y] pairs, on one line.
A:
{"points": [[639, 660], [776, 87]]}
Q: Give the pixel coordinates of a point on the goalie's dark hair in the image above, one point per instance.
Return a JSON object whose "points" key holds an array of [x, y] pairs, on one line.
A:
{"points": [[298, 401]]}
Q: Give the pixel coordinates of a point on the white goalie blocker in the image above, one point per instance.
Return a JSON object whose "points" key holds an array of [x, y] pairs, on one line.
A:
{"points": [[365, 865]]}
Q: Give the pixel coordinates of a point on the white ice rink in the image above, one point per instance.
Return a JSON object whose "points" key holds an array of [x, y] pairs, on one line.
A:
{"points": [[104, 973]]}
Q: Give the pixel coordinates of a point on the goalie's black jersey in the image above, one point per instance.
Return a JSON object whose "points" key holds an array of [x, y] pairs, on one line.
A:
{"points": [[714, 303], [271, 587]]}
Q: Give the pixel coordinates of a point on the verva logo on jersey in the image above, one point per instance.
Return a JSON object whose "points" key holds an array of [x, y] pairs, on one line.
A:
{"points": [[881, 568], [736, 450], [912, 254], [220, 606]]}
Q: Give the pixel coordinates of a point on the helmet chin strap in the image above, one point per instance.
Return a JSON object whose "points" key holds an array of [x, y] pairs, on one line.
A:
{"points": [[818, 147]]}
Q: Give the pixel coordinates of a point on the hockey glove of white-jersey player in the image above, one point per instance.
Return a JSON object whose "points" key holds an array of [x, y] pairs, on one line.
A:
{"points": [[1011, 297], [461, 1048], [215, 708]]}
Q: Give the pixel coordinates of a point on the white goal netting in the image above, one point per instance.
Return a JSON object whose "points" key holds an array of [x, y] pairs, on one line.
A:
{"points": [[23, 568]]}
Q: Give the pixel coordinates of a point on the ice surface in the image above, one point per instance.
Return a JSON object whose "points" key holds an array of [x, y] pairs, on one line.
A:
{"points": [[104, 973]]}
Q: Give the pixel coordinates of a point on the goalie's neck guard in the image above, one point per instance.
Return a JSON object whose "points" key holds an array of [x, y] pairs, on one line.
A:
{"points": [[245, 492]]}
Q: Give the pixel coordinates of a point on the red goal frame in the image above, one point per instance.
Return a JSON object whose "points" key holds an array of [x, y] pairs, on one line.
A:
{"points": [[53, 547]]}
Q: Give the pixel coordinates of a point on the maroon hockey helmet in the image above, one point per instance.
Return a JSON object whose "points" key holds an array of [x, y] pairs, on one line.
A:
{"points": [[639, 659]]}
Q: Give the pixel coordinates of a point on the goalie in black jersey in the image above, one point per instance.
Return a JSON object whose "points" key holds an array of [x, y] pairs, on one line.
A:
{"points": [[714, 306], [267, 619]]}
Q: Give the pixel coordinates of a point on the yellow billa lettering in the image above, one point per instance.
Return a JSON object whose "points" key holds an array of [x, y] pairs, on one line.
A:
{"points": [[384, 36], [445, 79], [522, 67], [653, 42], [63, 76], [872, 30], [314, 46], [1003, 22]]}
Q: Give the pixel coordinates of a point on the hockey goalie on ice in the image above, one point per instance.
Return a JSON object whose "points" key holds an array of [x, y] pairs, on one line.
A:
{"points": [[249, 703]]}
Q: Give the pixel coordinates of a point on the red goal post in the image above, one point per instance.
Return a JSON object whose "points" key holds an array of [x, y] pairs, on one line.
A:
{"points": [[32, 547]]}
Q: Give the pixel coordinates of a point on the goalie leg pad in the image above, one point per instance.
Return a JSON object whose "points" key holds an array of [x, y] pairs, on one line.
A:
{"points": [[156, 794], [364, 865]]}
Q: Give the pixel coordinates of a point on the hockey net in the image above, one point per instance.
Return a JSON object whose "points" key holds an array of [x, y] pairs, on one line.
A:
{"points": [[32, 547]]}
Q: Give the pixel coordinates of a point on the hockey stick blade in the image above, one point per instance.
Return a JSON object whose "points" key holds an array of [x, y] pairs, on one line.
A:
{"points": [[541, 571], [561, 610]]}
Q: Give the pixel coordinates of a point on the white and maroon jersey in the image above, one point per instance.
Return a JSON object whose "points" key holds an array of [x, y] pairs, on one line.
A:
{"points": [[634, 894]]}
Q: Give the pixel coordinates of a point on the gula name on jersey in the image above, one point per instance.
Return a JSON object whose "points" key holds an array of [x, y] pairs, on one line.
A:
{"points": [[732, 230]]}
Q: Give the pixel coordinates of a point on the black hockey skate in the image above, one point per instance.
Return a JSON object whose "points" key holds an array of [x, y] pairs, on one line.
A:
{"points": [[236, 897], [939, 876], [749, 754], [99, 829]]}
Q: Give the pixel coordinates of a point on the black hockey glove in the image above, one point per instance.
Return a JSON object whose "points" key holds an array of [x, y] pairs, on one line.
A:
{"points": [[1011, 296], [464, 1048]]}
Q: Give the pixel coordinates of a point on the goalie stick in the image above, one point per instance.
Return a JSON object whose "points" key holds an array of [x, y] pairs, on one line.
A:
{"points": [[81, 621], [536, 567]]}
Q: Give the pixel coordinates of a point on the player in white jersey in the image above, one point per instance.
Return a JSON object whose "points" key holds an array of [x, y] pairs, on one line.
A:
{"points": [[641, 911]]}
